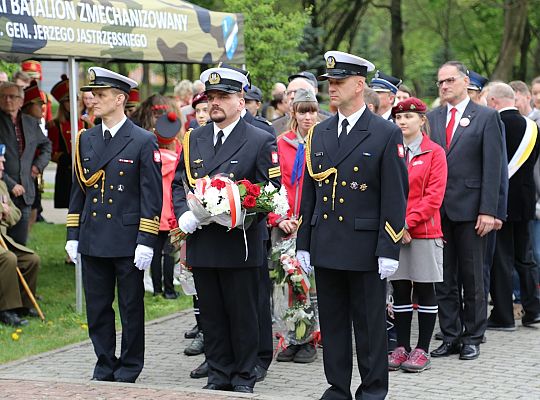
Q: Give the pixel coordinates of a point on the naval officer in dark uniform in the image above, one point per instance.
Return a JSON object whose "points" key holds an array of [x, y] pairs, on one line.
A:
{"points": [[113, 222], [353, 217], [226, 281]]}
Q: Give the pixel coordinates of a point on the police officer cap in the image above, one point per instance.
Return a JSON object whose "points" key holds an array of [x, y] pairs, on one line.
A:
{"points": [[254, 93], [385, 83], [303, 95], [340, 65], [242, 71], [101, 78], [477, 81], [224, 79], [167, 127], [305, 75]]}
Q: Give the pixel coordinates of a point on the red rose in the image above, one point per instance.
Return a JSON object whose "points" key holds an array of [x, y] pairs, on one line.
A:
{"points": [[254, 190], [301, 297], [249, 202], [218, 184]]}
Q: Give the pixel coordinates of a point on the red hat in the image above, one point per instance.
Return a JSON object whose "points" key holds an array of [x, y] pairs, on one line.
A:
{"points": [[32, 68], [60, 91], [199, 98], [167, 127], [412, 104], [134, 98], [32, 94]]}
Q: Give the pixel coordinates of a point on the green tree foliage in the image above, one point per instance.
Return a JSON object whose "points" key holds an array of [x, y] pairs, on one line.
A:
{"points": [[271, 39]]}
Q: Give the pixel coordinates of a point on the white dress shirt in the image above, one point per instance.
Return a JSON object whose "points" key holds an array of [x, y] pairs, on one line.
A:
{"points": [[226, 131], [460, 107], [351, 119], [114, 129]]}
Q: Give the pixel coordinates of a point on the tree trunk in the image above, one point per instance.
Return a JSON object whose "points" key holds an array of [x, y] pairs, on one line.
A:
{"points": [[515, 17], [165, 79], [396, 44], [146, 82], [524, 50]]}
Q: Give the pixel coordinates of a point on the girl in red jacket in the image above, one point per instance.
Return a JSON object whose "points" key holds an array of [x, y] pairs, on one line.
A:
{"points": [[421, 255], [292, 161]]}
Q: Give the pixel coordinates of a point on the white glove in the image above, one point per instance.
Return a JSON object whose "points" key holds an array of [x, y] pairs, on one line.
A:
{"points": [[143, 256], [304, 259], [188, 222], [71, 249], [387, 267]]}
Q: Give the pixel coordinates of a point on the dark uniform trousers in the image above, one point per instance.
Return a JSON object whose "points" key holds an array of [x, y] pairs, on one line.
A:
{"points": [[109, 219], [514, 249], [358, 297], [227, 282], [463, 256], [347, 225], [12, 293], [99, 278]]}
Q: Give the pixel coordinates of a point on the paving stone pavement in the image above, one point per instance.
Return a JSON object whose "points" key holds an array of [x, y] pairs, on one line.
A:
{"points": [[508, 368]]}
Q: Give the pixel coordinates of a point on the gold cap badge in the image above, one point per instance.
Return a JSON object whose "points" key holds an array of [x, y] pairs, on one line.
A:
{"points": [[330, 62], [91, 76], [214, 78]]}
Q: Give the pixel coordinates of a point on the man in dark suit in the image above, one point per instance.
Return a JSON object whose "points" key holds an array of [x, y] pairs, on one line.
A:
{"points": [[353, 214], [514, 246], [28, 152], [225, 276], [472, 137], [113, 222]]}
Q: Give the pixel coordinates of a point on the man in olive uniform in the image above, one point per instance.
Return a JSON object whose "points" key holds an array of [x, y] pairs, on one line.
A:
{"points": [[353, 216], [225, 276], [14, 302], [113, 222]]}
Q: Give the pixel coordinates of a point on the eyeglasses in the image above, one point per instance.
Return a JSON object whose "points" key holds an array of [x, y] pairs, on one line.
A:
{"points": [[450, 80], [10, 96]]}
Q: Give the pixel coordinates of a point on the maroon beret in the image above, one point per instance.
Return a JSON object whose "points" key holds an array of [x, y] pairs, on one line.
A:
{"points": [[199, 98], [412, 104]]}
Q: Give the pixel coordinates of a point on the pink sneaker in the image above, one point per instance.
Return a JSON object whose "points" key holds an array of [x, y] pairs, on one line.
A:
{"points": [[397, 357], [418, 361]]}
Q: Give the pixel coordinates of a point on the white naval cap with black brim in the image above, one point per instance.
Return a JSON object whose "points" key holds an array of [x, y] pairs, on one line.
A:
{"points": [[101, 78], [224, 79], [340, 65]]}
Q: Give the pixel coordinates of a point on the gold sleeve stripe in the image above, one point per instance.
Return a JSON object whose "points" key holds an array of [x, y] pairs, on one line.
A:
{"points": [[149, 221], [274, 175], [273, 169], [72, 220], [396, 237], [73, 215], [72, 224], [151, 227], [148, 230]]}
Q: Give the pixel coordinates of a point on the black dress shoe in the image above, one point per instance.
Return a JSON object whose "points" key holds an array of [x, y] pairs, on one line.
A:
{"points": [[493, 326], [214, 386], [200, 372], [11, 318], [192, 332], [109, 379], [122, 380], [445, 349], [170, 295], [469, 352], [530, 319], [260, 373], [196, 346], [243, 389]]}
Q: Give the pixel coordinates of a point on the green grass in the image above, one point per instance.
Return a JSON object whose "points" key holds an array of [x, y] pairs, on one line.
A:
{"points": [[56, 288]]}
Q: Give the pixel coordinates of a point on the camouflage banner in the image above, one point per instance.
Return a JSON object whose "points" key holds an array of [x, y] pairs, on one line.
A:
{"points": [[137, 30]]}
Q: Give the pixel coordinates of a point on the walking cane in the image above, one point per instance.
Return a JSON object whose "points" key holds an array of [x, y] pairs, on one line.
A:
{"points": [[25, 285]]}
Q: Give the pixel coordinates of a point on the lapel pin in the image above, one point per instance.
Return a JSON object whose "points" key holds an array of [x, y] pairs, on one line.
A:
{"points": [[198, 161], [464, 122], [363, 187], [319, 154], [234, 161], [354, 185], [120, 188]]}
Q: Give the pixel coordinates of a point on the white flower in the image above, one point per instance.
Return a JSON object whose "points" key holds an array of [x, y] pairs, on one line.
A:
{"points": [[280, 202], [216, 202], [296, 278], [269, 188]]}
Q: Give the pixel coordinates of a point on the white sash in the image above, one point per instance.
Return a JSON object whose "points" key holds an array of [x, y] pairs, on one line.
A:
{"points": [[525, 147]]}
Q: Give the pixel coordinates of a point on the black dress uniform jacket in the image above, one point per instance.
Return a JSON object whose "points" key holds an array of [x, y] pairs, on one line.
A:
{"points": [[259, 122], [246, 154], [370, 197], [105, 218]]}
